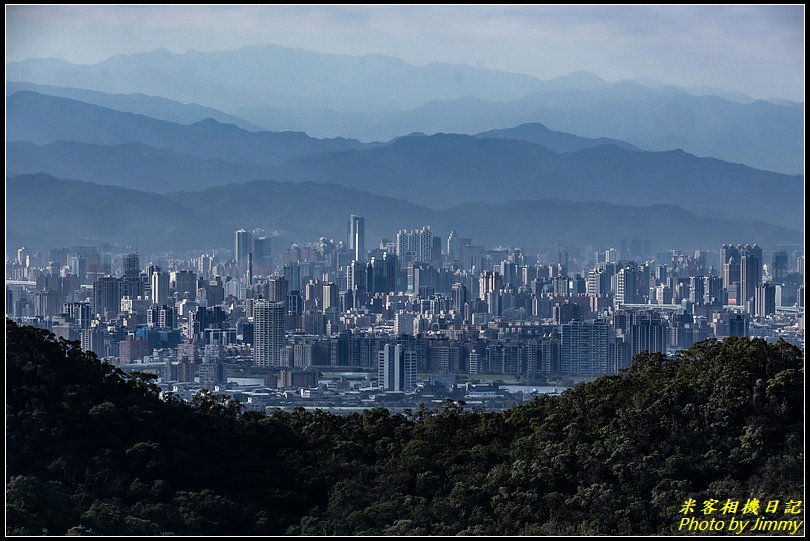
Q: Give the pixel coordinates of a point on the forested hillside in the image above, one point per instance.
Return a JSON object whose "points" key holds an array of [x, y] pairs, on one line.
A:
{"points": [[90, 450]]}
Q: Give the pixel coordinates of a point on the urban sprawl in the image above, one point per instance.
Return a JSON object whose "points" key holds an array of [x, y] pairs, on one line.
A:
{"points": [[415, 320]]}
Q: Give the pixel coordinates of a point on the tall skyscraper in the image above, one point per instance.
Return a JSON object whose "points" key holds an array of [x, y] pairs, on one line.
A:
{"points": [[107, 296], [779, 265], [396, 368], [356, 276], [730, 265], [132, 266], [453, 247], [242, 246], [765, 300], [490, 281], [268, 333], [46, 303], [262, 255], [713, 290], [750, 272], [627, 286], [459, 296], [160, 288], [697, 289], [357, 237], [278, 287], [131, 284], [330, 296], [292, 273]]}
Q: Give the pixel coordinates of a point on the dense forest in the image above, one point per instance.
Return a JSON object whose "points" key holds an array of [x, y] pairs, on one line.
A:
{"points": [[90, 450]]}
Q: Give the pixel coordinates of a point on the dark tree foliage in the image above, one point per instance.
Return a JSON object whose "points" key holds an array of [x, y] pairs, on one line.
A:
{"points": [[91, 450]]}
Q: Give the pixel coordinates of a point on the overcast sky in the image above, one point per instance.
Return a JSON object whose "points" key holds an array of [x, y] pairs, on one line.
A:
{"points": [[758, 50]]}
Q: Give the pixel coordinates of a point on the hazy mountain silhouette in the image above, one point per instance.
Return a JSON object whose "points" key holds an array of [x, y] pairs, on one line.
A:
{"points": [[153, 106], [435, 171], [761, 134], [557, 141], [130, 165], [443, 170], [374, 97], [89, 212], [41, 118], [286, 77], [85, 213]]}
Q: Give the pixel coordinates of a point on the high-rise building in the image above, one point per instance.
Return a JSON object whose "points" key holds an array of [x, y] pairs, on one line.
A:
{"points": [[584, 348], [647, 332], [713, 290], [184, 283], [436, 251], [390, 271], [262, 254], [167, 317], [357, 237], [46, 303], [750, 273], [779, 265], [627, 286], [160, 288], [79, 312], [403, 324], [765, 300], [278, 289], [295, 303], [313, 295], [268, 333], [330, 296], [107, 296], [729, 252], [453, 247], [598, 282], [292, 273], [356, 276], [414, 246], [697, 289], [131, 284], [509, 273], [459, 296], [490, 281], [131, 266], [242, 246], [730, 265], [396, 368]]}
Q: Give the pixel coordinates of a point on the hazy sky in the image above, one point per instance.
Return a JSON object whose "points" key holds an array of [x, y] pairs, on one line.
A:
{"points": [[758, 50]]}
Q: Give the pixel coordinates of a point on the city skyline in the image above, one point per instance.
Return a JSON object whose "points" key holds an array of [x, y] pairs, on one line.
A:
{"points": [[319, 285]]}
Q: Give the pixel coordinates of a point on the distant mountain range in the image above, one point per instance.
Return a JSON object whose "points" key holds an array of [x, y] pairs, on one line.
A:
{"points": [[374, 97], [444, 170], [534, 132], [760, 134], [77, 140], [45, 212], [40, 118], [130, 165], [152, 106], [173, 149], [89, 213], [285, 77]]}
